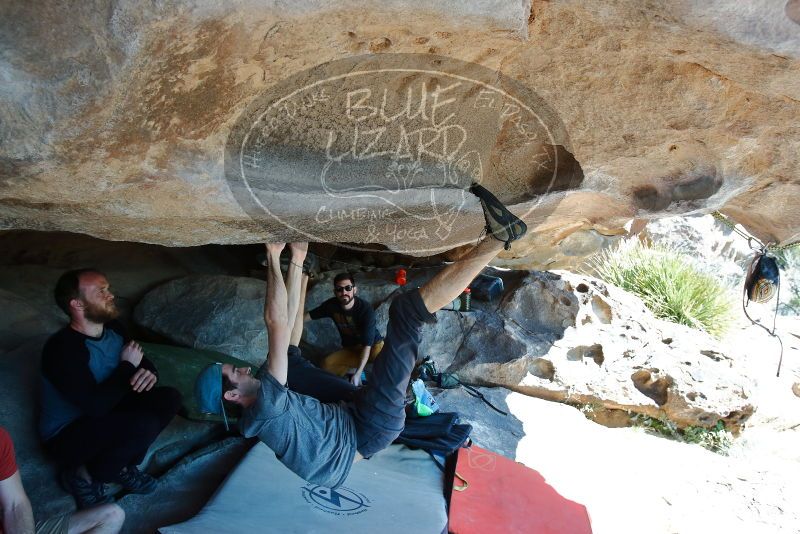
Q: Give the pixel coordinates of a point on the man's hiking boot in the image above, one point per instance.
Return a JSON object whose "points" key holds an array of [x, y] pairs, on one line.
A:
{"points": [[500, 223], [87, 494], [134, 481]]}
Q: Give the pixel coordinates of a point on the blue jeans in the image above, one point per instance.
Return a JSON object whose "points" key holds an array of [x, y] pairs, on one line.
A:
{"points": [[379, 407], [306, 378]]}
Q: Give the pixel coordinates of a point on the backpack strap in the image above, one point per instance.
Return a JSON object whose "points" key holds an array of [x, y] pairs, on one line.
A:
{"points": [[452, 480]]}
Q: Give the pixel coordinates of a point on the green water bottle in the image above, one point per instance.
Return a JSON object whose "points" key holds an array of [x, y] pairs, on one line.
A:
{"points": [[467, 299]]}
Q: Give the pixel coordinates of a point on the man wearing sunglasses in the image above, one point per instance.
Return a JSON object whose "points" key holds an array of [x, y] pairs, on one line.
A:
{"points": [[318, 441], [355, 320]]}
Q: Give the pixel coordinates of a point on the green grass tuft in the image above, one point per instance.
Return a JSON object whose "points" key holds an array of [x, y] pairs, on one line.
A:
{"points": [[670, 286], [715, 439]]}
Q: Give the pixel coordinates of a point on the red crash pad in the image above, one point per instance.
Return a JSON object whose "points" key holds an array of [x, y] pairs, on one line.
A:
{"points": [[503, 496]]}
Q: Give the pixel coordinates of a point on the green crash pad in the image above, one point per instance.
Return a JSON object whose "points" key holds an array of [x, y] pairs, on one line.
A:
{"points": [[178, 367]]}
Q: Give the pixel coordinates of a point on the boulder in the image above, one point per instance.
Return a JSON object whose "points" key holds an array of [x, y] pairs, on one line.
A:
{"points": [[31, 263], [116, 116], [222, 313], [584, 342], [23, 320], [226, 313], [559, 336]]}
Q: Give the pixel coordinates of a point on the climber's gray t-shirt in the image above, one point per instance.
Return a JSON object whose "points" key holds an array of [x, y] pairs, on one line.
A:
{"points": [[316, 441]]}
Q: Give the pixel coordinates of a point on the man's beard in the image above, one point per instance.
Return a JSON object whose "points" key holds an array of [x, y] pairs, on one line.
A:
{"points": [[100, 314], [345, 300]]}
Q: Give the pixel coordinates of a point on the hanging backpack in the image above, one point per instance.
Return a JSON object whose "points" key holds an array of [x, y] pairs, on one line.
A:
{"points": [[763, 279], [763, 282]]}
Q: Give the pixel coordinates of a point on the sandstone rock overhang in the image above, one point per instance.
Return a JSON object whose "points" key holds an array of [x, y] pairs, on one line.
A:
{"points": [[115, 117]]}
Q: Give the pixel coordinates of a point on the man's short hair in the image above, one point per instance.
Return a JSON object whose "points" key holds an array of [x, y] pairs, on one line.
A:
{"points": [[342, 277], [68, 287]]}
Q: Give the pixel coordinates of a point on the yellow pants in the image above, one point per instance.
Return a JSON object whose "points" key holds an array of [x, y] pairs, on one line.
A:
{"points": [[343, 361]]}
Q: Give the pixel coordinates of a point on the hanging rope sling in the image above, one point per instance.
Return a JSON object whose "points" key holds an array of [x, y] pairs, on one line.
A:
{"points": [[763, 278]]}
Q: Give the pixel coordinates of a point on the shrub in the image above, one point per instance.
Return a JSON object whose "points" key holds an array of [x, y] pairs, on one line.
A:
{"points": [[715, 439], [670, 286]]}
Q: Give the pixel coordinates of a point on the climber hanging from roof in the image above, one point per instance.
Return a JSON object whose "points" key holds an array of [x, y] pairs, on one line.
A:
{"points": [[319, 441]]}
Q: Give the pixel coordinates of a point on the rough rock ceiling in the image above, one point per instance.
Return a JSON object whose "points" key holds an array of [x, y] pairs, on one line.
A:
{"points": [[114, 116]]}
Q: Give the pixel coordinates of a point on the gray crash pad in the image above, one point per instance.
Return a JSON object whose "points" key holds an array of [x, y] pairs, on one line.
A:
{"points": [[388, 493]]}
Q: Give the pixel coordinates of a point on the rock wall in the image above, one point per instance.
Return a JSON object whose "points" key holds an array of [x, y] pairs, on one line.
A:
{"points": [[561, 337], [30, 264], [114, 115]]}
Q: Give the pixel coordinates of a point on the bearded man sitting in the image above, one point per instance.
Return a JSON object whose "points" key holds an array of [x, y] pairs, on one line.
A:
{"points": [[100, 407]]}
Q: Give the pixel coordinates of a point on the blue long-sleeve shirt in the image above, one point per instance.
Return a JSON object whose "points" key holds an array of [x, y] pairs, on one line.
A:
{"points": [[83, 376]]}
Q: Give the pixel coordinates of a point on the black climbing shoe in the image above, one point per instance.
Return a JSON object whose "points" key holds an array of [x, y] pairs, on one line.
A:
{"points": [[500, 223], [87, 494], [134, 481]]}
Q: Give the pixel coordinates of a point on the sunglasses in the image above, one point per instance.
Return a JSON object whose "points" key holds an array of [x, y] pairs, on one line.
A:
{"points": [[341, 289]]}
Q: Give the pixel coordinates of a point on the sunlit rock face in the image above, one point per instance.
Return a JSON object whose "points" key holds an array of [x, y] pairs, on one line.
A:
{"points": [[793, 11], [116, 120], [766, 24], [563, 337]]}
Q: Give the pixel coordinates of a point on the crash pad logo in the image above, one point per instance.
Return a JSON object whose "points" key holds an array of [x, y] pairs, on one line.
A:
{"points": [[383, 148], [339, 501]]}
